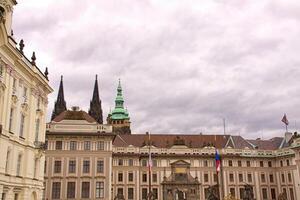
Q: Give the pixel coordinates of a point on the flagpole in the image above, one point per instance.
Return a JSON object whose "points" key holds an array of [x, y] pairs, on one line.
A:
{"points": [[149, 167]]}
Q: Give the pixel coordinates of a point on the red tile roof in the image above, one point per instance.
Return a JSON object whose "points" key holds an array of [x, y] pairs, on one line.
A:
{"points": [[74, 115]]}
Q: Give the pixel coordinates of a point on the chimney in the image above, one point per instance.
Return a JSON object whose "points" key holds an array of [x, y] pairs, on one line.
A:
{"points": [[75, 108]]}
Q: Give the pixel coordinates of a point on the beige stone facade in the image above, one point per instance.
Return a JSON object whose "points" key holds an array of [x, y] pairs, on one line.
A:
{"points": [[23, 101], [78, 158]]}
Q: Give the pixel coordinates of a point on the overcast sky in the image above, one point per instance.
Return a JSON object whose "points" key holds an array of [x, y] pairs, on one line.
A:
{"points": [[184, 65]]}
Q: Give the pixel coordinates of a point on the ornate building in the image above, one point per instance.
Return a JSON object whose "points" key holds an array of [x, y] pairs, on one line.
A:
{"points": [[23, 101]]}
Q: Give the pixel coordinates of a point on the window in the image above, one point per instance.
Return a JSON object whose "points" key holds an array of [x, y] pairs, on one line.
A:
{"points": [[265, 193], [144, 193], [56, 190], [154, 178], [231, 178], [144, 163], [155, 193], [269, 163], [130, 194], [19, 165], [85, 190], [249, 176], [100, 166], [87, 145], [282, 178], [71, 190], [239, 163], [240, 177], [130, 162], [205, 177], [130, 177], [273, 194], [215, 177], [261, 163], [292, 193], [11, 119], [22, 126], [120, 177], [73, 145], [154, 163], [287, 162], [206, 193], [263, 178], [230, 163], [232, 191], [271, 178], [57, 166], [37, 129], [99, 189], [86, 166], [289, 177], [58, 145], [242, 193], [144, 177], [45, 167], [120, 191], [205, 163], [120, 162], [100, 145], [248, 163], [7, 161], [72, 166], [281, 163]]}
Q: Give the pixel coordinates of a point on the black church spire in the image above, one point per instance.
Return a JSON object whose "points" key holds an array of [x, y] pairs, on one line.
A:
{"points": [[60, 103], [95, 105]]}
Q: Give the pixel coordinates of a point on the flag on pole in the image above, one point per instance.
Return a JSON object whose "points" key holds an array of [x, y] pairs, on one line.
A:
{"points": [[285, 120], [218, 162]]}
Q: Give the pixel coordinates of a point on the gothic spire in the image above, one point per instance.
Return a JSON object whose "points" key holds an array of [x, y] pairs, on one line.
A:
{"points": [[95, 104], [60, 103]]}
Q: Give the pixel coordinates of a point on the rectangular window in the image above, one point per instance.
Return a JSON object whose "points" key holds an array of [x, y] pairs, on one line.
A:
{"points": [[249, 178], [154, 163], [155, 193], [73, 145], [232, 191], [144, 193], [230, 163], [205, 177], [120, 177], [287, 162], [263, 178], [11, 119], [130, 193], [58, 145], [205, 163], [290, 177], [292, 194], [19, 163], [269, 163], [144, 177], [57, 166], [240, 177], [215, 177], [261, 163], [239, 163], [100, 166], [273, 194], [86, 166], [264, 193], [71, 190], [130, 177], [37, 129], [85, 190], [72, 166], [242, 193], [45, 168], [7, 161], [154, 178], [56, 190], [100, 145], [281, 163], [22, 126], [130, 162], [87, 145], [231, 178], [282, 178], [248, 163], [120, 162], [100, 189], [120, 191], [271, 178], [144, 163]]}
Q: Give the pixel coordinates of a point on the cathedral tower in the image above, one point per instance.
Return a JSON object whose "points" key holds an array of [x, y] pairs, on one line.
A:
{"points": [[60, 103], [119, 117], [95, 105]]}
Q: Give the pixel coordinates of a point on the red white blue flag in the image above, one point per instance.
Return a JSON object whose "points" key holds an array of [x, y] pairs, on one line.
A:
{"points": [[218, 161]]}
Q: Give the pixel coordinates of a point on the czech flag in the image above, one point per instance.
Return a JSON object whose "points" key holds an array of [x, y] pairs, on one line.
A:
{"points": [[218, 161]]}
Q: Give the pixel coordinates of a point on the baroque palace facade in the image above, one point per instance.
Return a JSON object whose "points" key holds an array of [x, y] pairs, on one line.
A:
{"points": [[23, 102], [87, 159]]}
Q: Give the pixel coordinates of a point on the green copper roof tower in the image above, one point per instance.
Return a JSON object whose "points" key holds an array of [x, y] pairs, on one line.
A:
{"points": [[119, 117]]}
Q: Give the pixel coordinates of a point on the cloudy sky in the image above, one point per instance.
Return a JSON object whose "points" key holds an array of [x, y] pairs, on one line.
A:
{"points": [[184, 65]]}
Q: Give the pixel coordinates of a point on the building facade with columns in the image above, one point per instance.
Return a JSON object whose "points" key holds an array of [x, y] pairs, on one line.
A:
{"points": [[23, 101]]}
